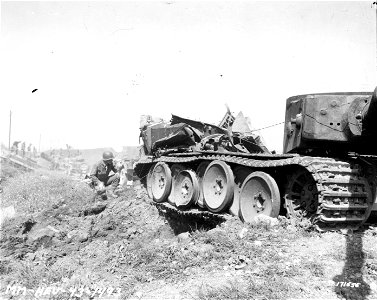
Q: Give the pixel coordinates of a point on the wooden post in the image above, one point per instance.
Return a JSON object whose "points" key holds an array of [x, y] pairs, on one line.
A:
{"points": [[10, 128]]}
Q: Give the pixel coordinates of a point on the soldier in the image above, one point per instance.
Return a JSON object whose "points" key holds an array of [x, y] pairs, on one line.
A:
{"points": [[23, 145], [29, 150], [100, 174], [14, 148]]}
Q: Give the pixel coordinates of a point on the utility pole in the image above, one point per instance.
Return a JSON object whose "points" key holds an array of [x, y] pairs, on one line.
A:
{"points": [[374, 4], [10, 128]]}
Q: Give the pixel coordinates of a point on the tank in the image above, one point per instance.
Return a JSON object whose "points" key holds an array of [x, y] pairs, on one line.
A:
{"points": [[326, 174]]}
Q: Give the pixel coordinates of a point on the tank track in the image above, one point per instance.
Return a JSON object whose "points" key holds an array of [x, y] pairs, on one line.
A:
{"points": [[192, 213], [344, 196]]}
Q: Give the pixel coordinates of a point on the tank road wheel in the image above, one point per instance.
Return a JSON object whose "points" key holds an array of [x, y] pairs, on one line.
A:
{"points": [[200, 172], [175, 169], [259, 195], [186, 189], [149, 182], [218, 186], [301, 195], [240, 174], [161, 182]]}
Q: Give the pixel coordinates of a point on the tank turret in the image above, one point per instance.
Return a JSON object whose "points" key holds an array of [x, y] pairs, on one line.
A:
{"points": [[331, 123]]}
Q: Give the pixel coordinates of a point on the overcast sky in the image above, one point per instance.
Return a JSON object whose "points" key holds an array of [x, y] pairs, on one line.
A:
{"points": [[98, 66]]}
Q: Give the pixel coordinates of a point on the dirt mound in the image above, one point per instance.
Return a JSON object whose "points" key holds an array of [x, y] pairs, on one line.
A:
{"points": [[127, 248], [80, 240]]}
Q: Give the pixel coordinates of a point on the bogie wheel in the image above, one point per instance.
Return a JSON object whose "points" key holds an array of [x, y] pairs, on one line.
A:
{"points": [[240, 174], [149, 182], [218, 186], [259, 195], [301, 195], [175, 169], [161, 182], [186, 189], [200, 172]]}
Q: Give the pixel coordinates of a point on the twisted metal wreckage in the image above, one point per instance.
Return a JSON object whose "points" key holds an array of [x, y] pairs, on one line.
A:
{"points": [[326, 174]]}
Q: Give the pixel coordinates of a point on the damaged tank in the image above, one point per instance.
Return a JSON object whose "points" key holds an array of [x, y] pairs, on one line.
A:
{"points": [[326, 174]]}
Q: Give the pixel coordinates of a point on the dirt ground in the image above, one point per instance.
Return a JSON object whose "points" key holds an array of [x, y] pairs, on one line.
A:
{"points": [[124, 248]]}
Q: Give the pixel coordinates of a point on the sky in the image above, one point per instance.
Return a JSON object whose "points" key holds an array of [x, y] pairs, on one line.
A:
{"points": [[99, 66]]}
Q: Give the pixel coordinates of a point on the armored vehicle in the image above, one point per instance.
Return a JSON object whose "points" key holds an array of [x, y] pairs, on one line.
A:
{"points": [[326, 174]]}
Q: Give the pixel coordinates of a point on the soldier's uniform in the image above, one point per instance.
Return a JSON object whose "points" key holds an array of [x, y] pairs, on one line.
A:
{"points": [[101, 171], [100, 174]]}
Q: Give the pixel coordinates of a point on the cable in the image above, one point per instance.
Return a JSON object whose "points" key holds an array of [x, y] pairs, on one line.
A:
{"points": [[267, 126], [323, 124]]}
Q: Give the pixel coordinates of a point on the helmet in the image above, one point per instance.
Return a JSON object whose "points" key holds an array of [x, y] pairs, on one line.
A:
{"points": [[107, 155]]}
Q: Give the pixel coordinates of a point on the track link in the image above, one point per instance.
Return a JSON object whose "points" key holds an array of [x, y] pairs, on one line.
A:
{"points": [[344, 196]]}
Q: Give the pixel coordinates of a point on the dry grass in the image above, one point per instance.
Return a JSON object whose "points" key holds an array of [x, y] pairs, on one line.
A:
{"points": [[34, 192], [130, 246], [8, 171]]}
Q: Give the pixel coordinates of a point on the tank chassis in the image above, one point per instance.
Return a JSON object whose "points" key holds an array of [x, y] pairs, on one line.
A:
{"points": [[326, 174]]}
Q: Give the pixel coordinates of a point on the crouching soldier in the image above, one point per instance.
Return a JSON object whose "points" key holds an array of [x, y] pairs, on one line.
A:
{"points": [[100, 175]]}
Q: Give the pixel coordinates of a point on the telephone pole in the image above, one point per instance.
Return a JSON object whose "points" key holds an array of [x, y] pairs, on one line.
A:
{"points": [[10, 128]]}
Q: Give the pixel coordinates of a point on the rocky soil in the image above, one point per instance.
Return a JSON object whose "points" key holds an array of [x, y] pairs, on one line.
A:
{"points": [[124, 248]]}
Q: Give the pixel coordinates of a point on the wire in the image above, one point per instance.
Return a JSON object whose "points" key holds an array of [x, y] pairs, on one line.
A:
{"points": [[323, 124], [267, 126], [344, 104]]}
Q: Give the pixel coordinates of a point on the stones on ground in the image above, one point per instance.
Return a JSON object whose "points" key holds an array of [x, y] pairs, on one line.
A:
{"points": [[71, 234], [305, 223], [130, 232], [240, 266], [296, 261], [216, 230], [346, 231], [258, 243], [94, 210], [139, 193], [291, 228], [206, 248], [237, 263], [242, 258], [242, 233], [7, 213], [41, 236], [30, 256], [283, 220], [53, 229], [373, 286], [266, 220], [137, 185], [184, 236], [83, 236]]}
